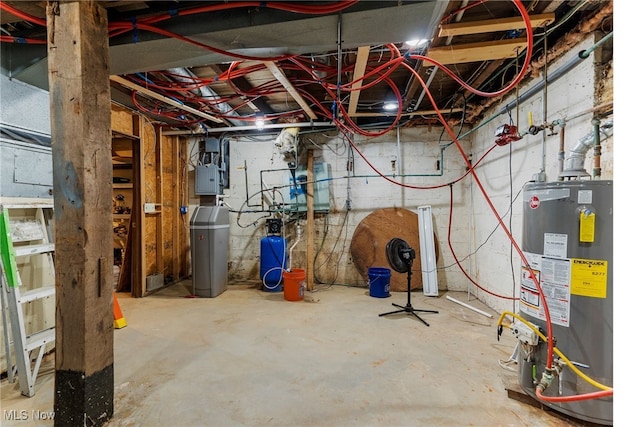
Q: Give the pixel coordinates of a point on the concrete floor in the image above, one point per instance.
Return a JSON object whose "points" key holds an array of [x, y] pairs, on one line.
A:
{"points": [[250, 358]]}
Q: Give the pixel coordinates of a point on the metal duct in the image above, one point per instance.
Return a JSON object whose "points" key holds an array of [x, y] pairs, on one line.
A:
{"points": [[574, 163], [206, 92]]}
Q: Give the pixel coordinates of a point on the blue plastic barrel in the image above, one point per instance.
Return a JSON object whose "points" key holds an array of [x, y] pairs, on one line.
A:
{"points": [[379, 279], [273, 255]]}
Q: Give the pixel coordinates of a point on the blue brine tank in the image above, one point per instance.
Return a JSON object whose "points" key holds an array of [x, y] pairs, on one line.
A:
{"points": [[273, 255]]}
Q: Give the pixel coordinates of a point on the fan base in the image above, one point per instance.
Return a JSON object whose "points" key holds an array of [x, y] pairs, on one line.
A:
{"points": [[409, 309]]}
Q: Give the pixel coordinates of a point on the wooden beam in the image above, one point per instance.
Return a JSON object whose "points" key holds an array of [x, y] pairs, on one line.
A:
{"points": [[361, 65], [279, 75], [476, 52], [310, 219], [407, 114], [80, 98], [493, 25], [241, 82], [152, 94]]}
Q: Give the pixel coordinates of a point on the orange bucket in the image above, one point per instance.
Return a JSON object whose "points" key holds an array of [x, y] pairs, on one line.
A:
{"points": [[294, 284]]}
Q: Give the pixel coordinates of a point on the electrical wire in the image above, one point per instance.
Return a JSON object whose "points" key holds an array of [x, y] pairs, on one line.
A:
{"points": [[496, 228]]}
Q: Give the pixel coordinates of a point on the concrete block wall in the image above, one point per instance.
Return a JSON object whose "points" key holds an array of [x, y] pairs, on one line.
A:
{"points": [[413, 156], [481, 245], [496, 266]]}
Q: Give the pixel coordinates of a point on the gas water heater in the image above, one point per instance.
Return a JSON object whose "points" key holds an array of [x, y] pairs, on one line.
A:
{"points": [[568, 242]]}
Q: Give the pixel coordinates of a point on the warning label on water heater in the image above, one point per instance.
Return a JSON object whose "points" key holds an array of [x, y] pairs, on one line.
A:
{"points": [[553, 275]]}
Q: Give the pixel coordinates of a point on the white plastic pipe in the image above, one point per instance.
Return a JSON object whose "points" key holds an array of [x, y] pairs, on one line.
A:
{"points": [[298, 237], [484, 313]]}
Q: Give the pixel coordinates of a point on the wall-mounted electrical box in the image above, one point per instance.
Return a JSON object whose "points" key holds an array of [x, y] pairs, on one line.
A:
{"points": [[208, 180], [297, 193], [212, 174]]}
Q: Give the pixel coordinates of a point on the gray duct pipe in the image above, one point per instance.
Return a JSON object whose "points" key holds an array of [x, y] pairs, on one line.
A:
{"points": [[206, 92], [574, 163], [554, 75]]}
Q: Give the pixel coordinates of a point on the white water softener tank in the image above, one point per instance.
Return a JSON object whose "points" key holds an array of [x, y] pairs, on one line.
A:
{"points": [[209, 250], [568, 241]]}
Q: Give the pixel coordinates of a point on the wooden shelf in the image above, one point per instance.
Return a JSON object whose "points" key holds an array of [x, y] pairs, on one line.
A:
{"points": [[116, 134], [121, 216], [123, 185]]}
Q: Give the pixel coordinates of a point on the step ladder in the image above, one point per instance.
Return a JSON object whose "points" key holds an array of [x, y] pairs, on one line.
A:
{"points": [[26, 233]]}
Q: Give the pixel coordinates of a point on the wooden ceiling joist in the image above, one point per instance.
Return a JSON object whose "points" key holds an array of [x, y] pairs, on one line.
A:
{"points": [[152, 94], [476, 52], [407, 114], [360, 68], [284, 81], [493, 25]]}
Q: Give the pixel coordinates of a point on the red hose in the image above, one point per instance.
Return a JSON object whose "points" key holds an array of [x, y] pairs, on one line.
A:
{"points": [[150, 28], [33, 19], [516, 80], [454, 253], [574, 398], [11, 39]]}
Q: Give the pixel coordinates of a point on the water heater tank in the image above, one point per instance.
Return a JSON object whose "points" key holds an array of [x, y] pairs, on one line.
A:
{"points": [[568, 241]]}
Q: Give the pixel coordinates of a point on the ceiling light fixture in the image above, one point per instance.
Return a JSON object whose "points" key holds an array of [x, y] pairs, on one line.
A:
{"points": [[416, 42], [390, 106], [260, 121]]}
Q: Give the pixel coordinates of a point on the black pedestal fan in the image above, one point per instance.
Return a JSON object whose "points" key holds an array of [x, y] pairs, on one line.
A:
{"points": [[400, 256]]}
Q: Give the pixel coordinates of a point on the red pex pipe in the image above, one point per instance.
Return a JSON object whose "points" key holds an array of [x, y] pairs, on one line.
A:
{"points": [[12, 10], [574, 398], [520, 75]]}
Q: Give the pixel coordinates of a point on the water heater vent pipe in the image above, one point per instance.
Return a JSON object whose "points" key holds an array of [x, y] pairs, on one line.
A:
{"points": [[574, 164]]}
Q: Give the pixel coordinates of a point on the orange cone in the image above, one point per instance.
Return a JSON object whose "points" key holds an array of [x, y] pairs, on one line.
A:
{"points": [[119, 321]]}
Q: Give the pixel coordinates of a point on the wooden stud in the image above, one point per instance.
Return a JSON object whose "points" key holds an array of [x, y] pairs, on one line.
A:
{"points": [[152, 94], [408, 114], [138, 258], [175, 213], [280, 76], [310, 218], [475, 52], [361, 65], [159, 201], [494, 25], [80, 98]]}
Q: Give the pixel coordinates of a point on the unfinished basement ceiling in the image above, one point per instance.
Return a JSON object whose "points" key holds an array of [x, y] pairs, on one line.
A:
{"points": [[199, 66]]}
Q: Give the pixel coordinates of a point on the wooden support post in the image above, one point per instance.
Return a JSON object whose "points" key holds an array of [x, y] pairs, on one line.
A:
{"points": [[138, 252], [159, 201], [310, 225], [176, 244], [80, 98]]}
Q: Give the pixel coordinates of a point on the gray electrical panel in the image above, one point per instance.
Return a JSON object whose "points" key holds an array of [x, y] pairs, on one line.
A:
{"points": [[208, 180], [26, 169], [212, 174], [209, 250]]}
